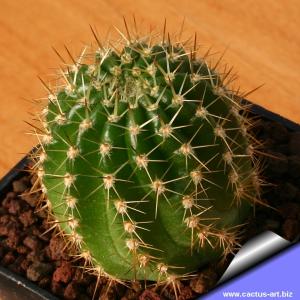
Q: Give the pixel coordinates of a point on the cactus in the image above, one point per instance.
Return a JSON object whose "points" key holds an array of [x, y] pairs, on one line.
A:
{"points": [[145, 161]]}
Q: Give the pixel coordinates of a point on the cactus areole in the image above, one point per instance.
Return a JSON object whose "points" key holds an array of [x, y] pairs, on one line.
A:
{"points": [[145, 161]]}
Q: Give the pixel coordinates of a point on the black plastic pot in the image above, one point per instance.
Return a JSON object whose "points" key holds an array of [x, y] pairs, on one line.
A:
{"points": [[15, 287]]}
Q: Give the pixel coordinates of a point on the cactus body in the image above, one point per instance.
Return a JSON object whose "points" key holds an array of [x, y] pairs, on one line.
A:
{"points": [[146, 162]]}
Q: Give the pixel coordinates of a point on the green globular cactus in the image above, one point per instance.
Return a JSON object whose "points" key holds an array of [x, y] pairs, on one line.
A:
{"points": [[146, 162]]}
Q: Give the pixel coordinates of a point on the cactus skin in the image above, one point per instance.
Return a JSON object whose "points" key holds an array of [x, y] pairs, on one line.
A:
{"points": [[145, 162]]}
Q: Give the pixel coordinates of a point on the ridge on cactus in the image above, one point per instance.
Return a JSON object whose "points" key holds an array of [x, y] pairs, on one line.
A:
{"points": [[145, 162]]}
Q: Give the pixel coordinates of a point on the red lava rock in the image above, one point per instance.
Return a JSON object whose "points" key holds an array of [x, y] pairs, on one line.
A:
{"points": [[82, 278], [9, 196], [204, 281], [43, 214], [291, 229], [13, 239], [33, 179], [130, 294], [13, 229], [56, 247], [7, 223], [4, 219], [44, 282], [149, 295], [3, 211], [107, 295], [15, 207], [8, 259], [36, 231], [91, 289], [198, 285], [63, 273], [3, 230], [38, 270], [71, 291], [31, 199], [27, 218], [25, 264], [36, 256], [57, 288], [19, 186], [22, 249], [41, 234], [83, 297], [16, 265], [12, 205], [186, 293], [32, 243]]}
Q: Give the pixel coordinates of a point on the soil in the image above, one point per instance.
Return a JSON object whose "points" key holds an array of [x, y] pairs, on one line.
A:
{"points": [[28, 246]]}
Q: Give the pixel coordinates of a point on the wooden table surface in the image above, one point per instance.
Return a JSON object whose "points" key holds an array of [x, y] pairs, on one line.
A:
{"points": [[261, 37]]}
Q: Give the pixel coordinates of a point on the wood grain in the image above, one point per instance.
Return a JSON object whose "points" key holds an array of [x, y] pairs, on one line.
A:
{"points": [[262, 40]]}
